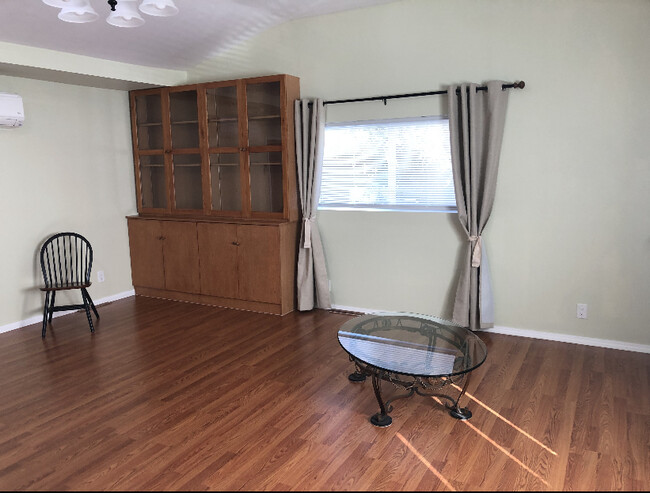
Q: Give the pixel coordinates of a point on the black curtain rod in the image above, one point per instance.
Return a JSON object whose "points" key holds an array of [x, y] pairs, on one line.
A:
{"points": [[514, 85]]}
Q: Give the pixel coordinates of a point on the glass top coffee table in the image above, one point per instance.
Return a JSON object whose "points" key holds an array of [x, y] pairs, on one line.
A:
{"points": [[424, 355]]}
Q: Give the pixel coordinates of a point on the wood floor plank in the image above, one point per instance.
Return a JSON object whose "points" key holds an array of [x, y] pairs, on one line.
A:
{"points": [[180, 396]]}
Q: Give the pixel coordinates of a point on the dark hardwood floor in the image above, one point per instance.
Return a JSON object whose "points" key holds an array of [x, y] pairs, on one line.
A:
{"points": [[177, 396]]}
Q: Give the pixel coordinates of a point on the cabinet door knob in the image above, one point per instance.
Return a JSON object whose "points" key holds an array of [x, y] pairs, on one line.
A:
{"points": [[236, 243]]}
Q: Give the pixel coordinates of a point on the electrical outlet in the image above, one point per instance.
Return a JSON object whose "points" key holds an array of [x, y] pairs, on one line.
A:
{"points": [[582, 310], [100, 276]]}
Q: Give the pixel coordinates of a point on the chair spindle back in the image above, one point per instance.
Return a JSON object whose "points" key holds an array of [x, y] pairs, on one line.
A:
{"points": [[66, 259]]}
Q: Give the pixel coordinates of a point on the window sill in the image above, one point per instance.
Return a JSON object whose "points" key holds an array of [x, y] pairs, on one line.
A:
{"points": [[366, 208]]}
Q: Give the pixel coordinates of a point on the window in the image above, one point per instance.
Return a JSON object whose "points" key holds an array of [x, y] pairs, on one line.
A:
{"points": [[400, 164]]}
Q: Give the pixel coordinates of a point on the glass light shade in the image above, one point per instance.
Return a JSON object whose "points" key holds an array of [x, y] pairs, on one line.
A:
{"points": [[125, 15], [58, 3], [77, 11], [159, 8]]}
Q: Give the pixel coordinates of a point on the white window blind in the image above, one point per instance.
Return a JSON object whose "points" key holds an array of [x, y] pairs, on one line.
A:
{"points": [[400, 164]]}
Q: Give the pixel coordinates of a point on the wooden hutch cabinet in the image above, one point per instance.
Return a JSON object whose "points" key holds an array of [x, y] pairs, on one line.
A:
{"points": [[216, 191]]}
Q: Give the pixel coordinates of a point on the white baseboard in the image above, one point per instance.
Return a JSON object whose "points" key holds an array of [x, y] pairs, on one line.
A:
{"points": [[39, 318], [572, 339], [534, 334]]}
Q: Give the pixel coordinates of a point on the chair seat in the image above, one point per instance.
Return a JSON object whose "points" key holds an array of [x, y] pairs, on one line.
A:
{"points": [[63, 286]]}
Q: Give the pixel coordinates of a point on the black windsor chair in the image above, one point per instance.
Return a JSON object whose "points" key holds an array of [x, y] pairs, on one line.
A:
{"points": [[66, 261]]}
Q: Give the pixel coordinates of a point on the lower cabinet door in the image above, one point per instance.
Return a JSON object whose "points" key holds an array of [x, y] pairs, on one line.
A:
{"points": [[243, 262], [145, 243], [218, 257], [258, 259], [181, 256]]}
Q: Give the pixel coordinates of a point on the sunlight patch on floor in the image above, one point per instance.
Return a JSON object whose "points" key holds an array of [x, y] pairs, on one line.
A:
{"points": [[495, 444], [488, 408], [508, 454], [425, 462]]}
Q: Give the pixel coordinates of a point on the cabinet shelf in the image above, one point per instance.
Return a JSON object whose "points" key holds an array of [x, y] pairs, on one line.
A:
{"points": [[264, 117], [149, 124], [235, 119]]}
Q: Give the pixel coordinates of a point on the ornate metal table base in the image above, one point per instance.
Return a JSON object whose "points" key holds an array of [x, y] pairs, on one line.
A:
{"points": [[460, 413], [357, 377], [424, 386]]}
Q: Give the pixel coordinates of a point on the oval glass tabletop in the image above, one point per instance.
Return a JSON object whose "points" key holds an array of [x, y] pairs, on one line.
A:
{"points": [[412, 344]]}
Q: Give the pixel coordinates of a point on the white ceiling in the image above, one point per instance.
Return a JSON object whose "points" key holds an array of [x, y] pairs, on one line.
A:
{"points": [[201, 29]]}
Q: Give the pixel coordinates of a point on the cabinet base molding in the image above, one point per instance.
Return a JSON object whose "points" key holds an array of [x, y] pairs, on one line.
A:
{"points": [[203, 299]]}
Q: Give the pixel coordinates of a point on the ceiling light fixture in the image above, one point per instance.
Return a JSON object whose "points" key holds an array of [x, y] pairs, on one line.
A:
{"points": [[123, 13]]}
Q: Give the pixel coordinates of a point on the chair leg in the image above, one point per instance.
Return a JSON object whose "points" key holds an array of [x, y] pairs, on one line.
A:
{"points": [[51, 306], [87, 307], [90, 300], [45, 313]]}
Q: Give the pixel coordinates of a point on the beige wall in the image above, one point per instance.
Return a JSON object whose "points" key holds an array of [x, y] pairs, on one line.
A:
{"points": [[570, 223], [70, 167]]}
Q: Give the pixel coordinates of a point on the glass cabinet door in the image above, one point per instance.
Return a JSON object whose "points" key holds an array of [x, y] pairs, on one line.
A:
{"points": [[223, 117], [224, 148], [266, 181], [185, 152], [225, 174], [153, 185], [265, 146], [263, 108], [149, 157], [184, 119], [149, 122], [188, 192]]}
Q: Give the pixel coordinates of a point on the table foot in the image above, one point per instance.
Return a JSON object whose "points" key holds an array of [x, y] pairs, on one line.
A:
{"points": [[460, 413], [357, 377], [381, 420]]}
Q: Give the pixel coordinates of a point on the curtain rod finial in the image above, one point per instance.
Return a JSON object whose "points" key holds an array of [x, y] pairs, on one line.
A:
{"points": [[519, 85]]}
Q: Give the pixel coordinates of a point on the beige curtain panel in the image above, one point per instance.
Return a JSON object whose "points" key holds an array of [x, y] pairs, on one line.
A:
{"points": [[312, 280], [476, 122]]}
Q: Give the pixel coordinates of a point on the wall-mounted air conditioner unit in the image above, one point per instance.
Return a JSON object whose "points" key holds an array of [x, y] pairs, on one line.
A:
{"points": [[12, 113]]}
